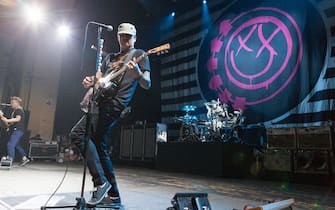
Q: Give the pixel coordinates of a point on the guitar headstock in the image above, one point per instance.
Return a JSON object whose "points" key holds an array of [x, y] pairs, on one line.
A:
{"points": [[160, 50]]}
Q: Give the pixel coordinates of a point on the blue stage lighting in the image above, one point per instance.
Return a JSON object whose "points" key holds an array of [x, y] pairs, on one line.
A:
{"points": [[173, 14], [204, 2]]}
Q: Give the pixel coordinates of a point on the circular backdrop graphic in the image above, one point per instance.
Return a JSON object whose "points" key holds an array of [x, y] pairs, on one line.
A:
{"points": [[259, 59]]}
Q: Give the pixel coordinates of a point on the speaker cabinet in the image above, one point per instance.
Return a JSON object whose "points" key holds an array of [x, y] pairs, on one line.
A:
{"points": [[313, 162], [126, 142], [254, 135], [315, 137], [278, 160], [43, 150], [281, 138], [150, 142], [140, 142], [190, 201]]}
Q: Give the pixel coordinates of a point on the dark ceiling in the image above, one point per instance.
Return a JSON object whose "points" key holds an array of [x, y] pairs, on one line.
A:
{"points": [[143, 13]]}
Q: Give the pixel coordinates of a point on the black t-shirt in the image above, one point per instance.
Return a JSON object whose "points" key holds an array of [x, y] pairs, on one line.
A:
{"points": [[18, 125], [128, 84]]}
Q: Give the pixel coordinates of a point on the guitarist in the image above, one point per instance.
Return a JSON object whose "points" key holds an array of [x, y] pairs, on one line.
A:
{"points": [[110, 106], [16, 125]]}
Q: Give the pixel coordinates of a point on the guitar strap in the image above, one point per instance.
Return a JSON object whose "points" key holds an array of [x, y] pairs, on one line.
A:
{"points": [[126, 58]]}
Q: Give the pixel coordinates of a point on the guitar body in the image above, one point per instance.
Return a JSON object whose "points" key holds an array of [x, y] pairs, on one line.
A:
{"points": [[95, 94], [3, 124]]}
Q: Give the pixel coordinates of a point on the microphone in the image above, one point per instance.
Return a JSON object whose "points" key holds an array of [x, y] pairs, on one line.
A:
{"points": [[108, 27]]}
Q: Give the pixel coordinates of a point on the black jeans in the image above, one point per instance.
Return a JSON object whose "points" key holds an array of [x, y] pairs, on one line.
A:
{"points": [[98, 159]]}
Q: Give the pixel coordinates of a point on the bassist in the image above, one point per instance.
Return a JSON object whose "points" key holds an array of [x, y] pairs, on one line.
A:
{"points": [[110, 106]]}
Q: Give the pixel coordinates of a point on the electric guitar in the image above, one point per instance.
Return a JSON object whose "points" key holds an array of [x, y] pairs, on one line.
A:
{"points": [[105, 83], [3, 124]]}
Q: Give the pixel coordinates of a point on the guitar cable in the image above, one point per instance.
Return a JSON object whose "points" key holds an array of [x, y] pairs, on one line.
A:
{"points": [[60, 183]]}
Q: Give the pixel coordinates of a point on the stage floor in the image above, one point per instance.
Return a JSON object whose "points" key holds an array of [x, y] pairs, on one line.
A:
{"points": [[29, 187]]}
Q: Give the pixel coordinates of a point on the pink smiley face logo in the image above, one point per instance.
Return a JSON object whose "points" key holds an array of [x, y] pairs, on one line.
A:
{"points": [[238, 39]]}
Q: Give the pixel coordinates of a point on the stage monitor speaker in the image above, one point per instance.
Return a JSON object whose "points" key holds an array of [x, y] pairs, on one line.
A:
{"points": [[315, 137], [190, 201], [281, 138]]}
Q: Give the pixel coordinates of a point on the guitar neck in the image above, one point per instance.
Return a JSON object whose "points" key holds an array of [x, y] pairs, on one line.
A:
{"points": [[124, 68], [112, 75]]}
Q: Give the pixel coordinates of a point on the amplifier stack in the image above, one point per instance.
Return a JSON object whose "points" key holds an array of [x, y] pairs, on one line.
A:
{"points": [[300, 150]]}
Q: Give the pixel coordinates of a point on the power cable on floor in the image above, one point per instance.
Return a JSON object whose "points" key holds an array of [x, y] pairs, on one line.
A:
{"points": [[59, 185]]}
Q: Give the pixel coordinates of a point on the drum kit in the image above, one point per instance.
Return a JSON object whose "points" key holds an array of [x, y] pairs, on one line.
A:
{"points": [[221, 123]]}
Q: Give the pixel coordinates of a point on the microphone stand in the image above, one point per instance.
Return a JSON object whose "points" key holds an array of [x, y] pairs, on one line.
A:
{"points": [[81, 202]]}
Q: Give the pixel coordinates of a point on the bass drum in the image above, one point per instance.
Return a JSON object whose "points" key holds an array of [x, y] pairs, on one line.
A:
{"points": [[188, 133]]}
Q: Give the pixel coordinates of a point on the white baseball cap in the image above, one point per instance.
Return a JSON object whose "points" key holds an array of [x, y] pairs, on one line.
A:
{"points": [[126, 28]]}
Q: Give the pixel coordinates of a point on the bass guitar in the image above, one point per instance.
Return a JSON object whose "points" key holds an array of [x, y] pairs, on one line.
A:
{"points": [[104, 84]]}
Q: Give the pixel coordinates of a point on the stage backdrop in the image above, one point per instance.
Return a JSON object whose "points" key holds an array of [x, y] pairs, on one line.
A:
{"points": [[274, 60]]}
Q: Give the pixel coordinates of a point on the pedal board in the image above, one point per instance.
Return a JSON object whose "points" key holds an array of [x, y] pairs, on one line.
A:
{"points": [[6, 163]]}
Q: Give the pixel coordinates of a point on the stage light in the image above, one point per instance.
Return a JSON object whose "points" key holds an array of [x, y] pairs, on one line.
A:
{"points": [[167, 23], [34, 14], [206, 18], [63, 31]]}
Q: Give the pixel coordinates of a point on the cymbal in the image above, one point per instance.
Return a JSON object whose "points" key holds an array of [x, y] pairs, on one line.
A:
{"points": [[236, 112], [204, 123], [188, 108], [187, 119], [212, 103]]}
